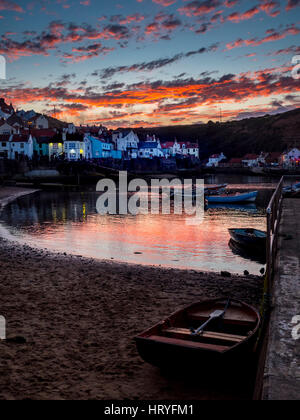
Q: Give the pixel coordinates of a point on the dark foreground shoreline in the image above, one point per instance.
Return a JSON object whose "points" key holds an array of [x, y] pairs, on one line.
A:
{"points": [[79, 317]]}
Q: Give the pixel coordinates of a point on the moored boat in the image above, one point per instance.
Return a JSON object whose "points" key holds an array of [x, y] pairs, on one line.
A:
{"points": [[213, 330], [208, 190], [212, 189], [249, 237], [292, 190], [234, 198], [243, 207]]}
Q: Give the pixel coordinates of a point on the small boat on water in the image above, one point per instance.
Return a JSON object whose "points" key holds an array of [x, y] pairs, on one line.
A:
{"points": [[234, 198], [208, 190], [214, 189], [292, 190], [249, 237], [213, 330], [243, 207]]}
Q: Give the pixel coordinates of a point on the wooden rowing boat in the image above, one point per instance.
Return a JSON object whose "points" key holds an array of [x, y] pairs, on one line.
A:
{"points": [[172, 340], [252, 238], [249, 197]]}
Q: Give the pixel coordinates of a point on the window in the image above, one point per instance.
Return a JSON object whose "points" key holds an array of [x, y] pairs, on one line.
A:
{"points": [[22, 145], [3, 144]]}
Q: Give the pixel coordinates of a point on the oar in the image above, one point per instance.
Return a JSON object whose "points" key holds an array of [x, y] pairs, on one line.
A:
{"points": [[215, 315]]}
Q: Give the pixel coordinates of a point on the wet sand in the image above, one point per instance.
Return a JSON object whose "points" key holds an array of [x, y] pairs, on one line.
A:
{"points": [[79, 317]]}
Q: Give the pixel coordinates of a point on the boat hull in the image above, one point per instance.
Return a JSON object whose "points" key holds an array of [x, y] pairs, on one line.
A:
{"points": [[238, 198], [156, 347], [249, 240]]}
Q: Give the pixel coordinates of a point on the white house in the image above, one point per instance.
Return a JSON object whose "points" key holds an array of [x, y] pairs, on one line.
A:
{"points": [[71, 129], [20, 145], [40, 121], [214, 160], [291, 158], [251, 160], [5, 128], [150, 149], [180, 148], [127, 142], [4, 145], [190, 149], [77, 147]]}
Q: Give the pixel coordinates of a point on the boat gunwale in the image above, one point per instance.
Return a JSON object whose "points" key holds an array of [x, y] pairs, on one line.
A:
{"points": [[234, 231], [247, 197], [141, 337]]}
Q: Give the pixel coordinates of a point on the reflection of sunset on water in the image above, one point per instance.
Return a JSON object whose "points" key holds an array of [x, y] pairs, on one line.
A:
{"points": [[70, 224]]}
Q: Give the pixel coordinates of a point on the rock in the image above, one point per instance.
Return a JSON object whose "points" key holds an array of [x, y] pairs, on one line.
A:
{"points": [[225, 274], [17, 340], [262, 270], [246, 273]]}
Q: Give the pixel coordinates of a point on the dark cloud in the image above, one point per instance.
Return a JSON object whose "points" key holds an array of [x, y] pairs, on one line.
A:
{"points": [[151, 65]]}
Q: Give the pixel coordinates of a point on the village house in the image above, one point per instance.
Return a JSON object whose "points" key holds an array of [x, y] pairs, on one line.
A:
{"points": [[6, 128], [215, 159], [39, 122], [127, 142], [291, 158], [167, 149], [20, 145], [150, 149], [191, 149], [4, 145], [102, 149], [251, 160], [274, 159], [15, 121], [56, 145], [180, 149], [235, 163], [77, 147], [42, 140]]}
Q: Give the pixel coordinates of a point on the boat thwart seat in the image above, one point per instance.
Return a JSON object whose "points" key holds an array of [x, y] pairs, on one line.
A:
{"points": [[233, 317], [185, 333], [189, 344]]}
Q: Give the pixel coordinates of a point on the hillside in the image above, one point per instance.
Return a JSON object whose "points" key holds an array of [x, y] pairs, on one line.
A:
{"points": [[236, 138]]}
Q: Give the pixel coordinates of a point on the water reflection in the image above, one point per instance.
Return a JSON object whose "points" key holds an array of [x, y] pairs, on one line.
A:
{"points": [[250, 254], [250, 208], [69, 222]]}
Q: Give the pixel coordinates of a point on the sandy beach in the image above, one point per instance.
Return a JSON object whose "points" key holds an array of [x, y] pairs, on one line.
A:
{"points": [[76, 319]]}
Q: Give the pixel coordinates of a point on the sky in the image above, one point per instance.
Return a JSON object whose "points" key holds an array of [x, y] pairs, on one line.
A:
{"points": [[129, 63]]}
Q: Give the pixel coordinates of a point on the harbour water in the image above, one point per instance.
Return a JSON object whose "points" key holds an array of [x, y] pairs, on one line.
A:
{"points": [[69, 222]]}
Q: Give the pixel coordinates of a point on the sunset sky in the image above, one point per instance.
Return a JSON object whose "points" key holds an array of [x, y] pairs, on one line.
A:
{"points": [[150, 62]]}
